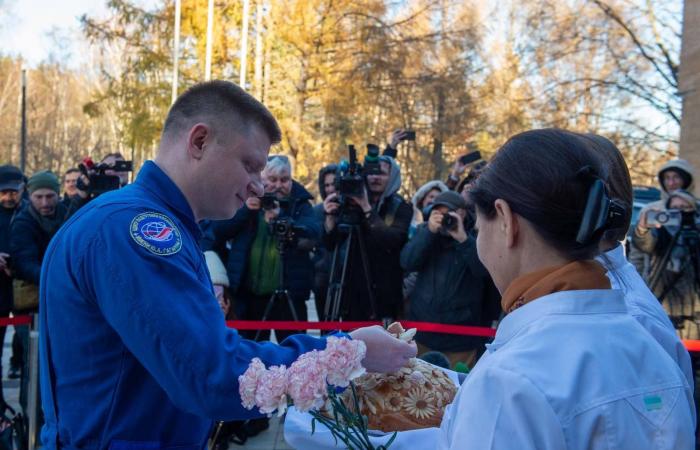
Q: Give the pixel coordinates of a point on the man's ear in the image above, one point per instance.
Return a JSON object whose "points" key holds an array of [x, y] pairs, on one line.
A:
{"points": [[200, 135], [508, 225]]}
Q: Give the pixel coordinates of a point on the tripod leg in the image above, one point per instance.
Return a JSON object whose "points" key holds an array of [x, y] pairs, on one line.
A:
{"points": [[331, 292], [268, 308], [368, 277]]}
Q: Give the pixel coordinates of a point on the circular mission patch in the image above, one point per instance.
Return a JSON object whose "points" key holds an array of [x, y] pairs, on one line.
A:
{"points": [[156, 233]]}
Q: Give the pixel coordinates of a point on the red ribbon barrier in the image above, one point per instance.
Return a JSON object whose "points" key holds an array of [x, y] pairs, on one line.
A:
{"points": [[18, 320], [349, 326], [691, 345]]}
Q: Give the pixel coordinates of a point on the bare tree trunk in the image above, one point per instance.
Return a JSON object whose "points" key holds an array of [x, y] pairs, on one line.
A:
{"points": [[257, 77]]}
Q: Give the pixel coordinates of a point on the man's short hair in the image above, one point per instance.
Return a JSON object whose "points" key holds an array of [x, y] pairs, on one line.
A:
{"points": [[220, 101], [70, 171], [277, 164]]}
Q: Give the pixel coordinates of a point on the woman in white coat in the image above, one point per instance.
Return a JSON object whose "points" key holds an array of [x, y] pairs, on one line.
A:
{"points": [[569, 367]]}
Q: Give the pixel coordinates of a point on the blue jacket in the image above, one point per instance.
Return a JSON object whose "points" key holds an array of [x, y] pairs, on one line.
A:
{"points": [[134, 349], [241, 229]]}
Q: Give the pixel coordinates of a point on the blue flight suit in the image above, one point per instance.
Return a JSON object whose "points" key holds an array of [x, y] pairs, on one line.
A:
{"points": [[134, 349]]}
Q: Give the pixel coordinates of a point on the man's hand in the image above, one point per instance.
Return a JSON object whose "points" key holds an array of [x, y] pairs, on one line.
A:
{"points": [[458, 234], [4, 266], [253, 203], [396, 137], [435, 221], [271, 214], [86, 182], [643, 225], [457, 170], [362, 201], [385, 353], [330, 207]]}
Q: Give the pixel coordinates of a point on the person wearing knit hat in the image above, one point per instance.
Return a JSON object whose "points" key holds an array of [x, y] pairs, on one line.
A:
{"points": [[44, 179]]}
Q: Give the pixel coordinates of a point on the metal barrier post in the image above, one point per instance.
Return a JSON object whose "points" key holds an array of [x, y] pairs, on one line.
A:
{"points": [[33, 389]]}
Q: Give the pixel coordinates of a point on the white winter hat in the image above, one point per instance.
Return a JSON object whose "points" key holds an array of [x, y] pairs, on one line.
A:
{"points": [[217, 271]]}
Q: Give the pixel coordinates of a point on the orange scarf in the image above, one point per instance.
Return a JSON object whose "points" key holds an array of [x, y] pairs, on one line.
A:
{"points": [[575, 276]]}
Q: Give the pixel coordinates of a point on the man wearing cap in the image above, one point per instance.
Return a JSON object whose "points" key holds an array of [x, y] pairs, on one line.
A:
{"points": [[11, 203], [452, 285]]}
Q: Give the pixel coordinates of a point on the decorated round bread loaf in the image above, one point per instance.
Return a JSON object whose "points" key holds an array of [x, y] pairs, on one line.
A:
{"points": [[414, 397]]}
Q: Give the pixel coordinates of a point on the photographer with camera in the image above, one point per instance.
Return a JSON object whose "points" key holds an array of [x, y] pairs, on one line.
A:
{"points": [[322, 258], [672, 238], [382, 218], [282, 216], [110, 174], [452, 285]]}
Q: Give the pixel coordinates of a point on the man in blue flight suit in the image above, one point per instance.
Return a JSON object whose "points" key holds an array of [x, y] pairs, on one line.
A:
{"points": [[134, 350]]}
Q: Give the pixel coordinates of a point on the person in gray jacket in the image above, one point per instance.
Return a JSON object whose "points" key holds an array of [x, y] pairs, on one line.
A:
{"points": [[452, 287]]}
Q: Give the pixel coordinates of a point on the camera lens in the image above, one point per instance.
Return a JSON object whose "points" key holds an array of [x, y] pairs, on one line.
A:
{"points": [[662, 217]]}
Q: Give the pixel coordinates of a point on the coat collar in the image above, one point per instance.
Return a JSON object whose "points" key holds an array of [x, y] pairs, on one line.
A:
{"points": [[154, 180], [596, 301]]}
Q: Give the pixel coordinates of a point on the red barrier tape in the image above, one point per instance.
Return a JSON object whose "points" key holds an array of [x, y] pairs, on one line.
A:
{"points": [[18, 320], [691, 345]]}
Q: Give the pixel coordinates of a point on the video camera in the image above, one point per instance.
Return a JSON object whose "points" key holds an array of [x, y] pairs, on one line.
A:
{"points": [[351, 181], [351, 174], [98, 181], [674, 218]]}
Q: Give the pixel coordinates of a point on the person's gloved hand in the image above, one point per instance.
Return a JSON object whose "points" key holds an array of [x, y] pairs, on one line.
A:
{"points": [[385, 353]]}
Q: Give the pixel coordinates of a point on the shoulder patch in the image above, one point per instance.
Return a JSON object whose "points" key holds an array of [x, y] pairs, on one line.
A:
{"points": [[156, 233]]}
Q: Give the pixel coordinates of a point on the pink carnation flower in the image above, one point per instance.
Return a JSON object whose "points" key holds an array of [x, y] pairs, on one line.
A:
{"points": [[307, 381], [271, 394], [248, 382], [343, 360]]}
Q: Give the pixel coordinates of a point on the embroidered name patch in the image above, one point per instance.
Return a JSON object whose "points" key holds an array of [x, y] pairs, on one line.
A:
{"points": [[156, 233]]}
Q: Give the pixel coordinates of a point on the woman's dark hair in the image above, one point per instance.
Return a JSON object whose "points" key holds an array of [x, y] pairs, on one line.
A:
{"points": [[545, 176], [618, 181]]}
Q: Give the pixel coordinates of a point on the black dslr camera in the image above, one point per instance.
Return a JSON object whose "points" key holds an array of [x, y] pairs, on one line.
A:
{"points": [[449, 222], [268, 202], [286, 231], [98, 181]]}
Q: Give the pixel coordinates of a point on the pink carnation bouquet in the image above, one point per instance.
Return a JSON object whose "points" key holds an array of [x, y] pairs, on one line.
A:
{"points": [[310, 383]]}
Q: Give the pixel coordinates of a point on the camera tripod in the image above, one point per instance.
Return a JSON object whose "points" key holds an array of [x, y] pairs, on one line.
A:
{"points": [[691, 242], [281, 294], [338, 278]]}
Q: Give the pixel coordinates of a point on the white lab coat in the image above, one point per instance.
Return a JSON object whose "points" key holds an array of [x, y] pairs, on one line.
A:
{"points": [[572, 370], [646, 308]]}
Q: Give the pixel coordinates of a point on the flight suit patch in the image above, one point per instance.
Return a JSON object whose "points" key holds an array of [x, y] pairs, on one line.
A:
{"points": [[156, 233]]}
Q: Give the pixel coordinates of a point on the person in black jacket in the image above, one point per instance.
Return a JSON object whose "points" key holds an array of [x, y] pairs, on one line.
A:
{"points": [[452, 287], [385, 218], [321, 255], [31, 231], [253, 261], [11, 203], [34, 227]]}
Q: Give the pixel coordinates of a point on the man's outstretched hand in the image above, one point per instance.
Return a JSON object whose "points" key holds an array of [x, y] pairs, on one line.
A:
{"points": [[385, 353]]}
